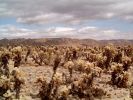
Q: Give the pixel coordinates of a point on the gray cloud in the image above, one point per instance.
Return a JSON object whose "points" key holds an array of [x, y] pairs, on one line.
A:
{"points": [[10, 31], [66, 11], [72, 12]]}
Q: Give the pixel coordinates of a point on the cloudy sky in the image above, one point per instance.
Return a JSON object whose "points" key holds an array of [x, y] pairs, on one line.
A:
{"points": [[95, 19]]}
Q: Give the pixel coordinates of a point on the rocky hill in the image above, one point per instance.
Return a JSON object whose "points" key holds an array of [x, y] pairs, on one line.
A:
{"points": [[63, 41]]}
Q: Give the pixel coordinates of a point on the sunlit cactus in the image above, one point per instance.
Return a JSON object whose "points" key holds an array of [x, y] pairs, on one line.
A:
{"points": [[126, 63], [27, 54], [56, 63], [18, 81], [4, 62], [69, 65], [8, 95], [109, 53]]}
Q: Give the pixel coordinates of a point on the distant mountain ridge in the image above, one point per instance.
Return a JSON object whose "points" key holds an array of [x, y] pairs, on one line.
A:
{"points": [[64, 41]]}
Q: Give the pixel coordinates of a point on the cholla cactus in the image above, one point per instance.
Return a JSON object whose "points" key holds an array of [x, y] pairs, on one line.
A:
{"points": [[117, 70], [57, 79], [27, 54], [17, 60], [109, 53], [88, 79], [126, 63], [46, 92], [69, 65], [100, 61], [43, 89], [98, 92], [41, 57], [49, 90], [4, 62], [46, 59], [124, 79], [85, 81], [91, 57], [83, 87], [16, 50], [35, 57], [67, 55], [8, 95], [79, 65], [4, 84], [63, 93], [18, 81], [118, 57], [56, 63], [129, 51], [88, 67], [119, 77], [74, 54]]}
